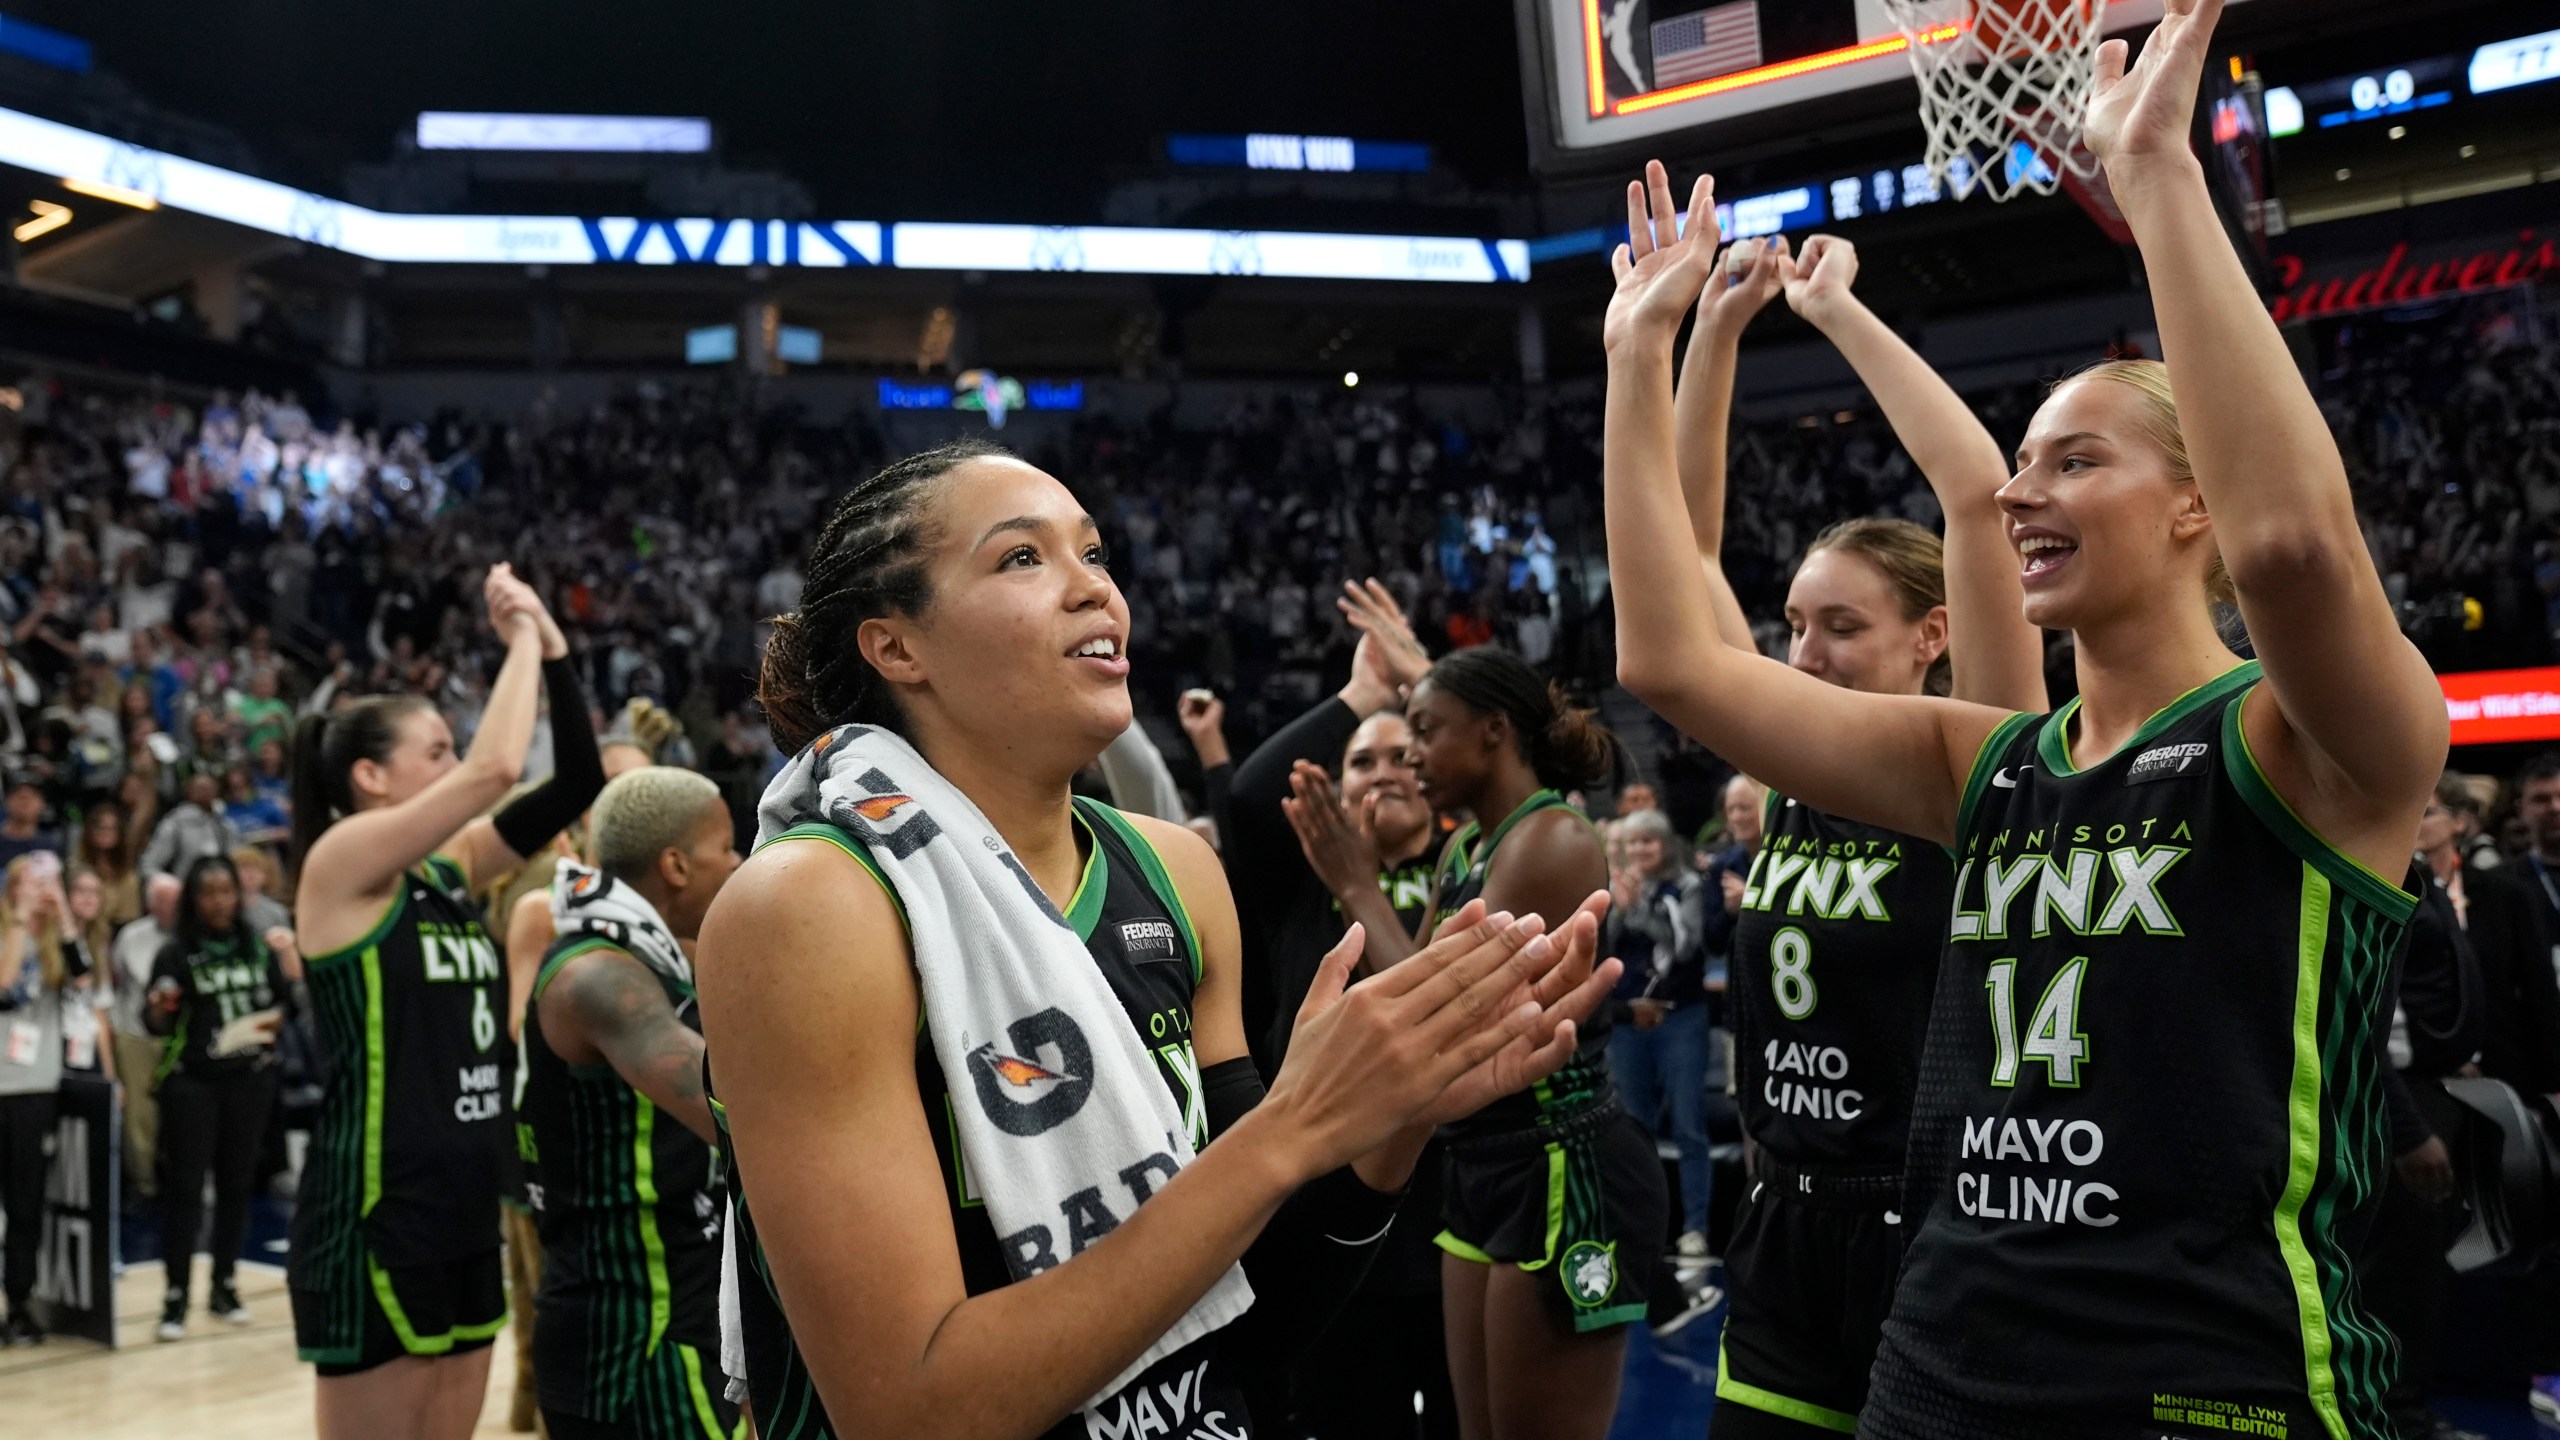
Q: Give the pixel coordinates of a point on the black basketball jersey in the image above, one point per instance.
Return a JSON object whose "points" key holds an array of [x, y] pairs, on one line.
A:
{"points": [[628, 1204], [1835, 953], [2149, 1125], [1580, 1082], [221, 980], [1134, 925], [409, 1151]]}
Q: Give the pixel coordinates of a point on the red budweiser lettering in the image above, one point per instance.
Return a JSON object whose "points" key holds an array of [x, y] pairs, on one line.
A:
{"points": [[2399, 281]]}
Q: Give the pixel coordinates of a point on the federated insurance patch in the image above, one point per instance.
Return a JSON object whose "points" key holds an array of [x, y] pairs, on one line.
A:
{"points": [[2168, 762], [1590, 1273]]}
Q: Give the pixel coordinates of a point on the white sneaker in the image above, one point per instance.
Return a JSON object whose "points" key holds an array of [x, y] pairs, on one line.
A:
{"points": [[1696, 1298]]}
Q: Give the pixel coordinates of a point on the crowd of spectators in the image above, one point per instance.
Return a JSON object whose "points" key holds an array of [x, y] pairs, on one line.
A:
{"points": [[177, 579]]}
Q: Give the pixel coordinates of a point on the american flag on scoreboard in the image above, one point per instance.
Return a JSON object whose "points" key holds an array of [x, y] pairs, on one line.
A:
{"points": [[1695, 46]]}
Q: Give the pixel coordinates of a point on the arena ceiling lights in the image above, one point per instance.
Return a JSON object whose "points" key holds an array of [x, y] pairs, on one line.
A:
{"points": [[75, 155], [564, 134]]}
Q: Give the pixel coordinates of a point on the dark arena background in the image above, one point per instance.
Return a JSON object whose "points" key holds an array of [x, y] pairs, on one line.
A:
{"points": [[311, 314]]}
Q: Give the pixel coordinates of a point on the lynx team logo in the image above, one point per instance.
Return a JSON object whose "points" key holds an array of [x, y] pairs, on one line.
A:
{"points": [[1590, 1273], [1038, 1078]]}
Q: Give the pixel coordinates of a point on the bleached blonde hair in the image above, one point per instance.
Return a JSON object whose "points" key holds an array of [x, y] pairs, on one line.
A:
{"points": [[646, 812]]}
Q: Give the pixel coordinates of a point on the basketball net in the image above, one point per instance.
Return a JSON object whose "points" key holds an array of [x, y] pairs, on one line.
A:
{"points": [[2004, 89]]}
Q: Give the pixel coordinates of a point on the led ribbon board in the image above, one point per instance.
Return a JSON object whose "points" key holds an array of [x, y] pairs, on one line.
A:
{"points": [[2498, 707], [51, 148]]}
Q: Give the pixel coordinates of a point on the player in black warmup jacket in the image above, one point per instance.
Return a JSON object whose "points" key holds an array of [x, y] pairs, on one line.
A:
{"points": [[960, 598], [1835, 948], [2148, 1128], [1292, 839]]}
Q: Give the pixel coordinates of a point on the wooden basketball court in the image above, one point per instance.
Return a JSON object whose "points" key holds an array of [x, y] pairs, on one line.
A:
{"points": [[222, 1382]]}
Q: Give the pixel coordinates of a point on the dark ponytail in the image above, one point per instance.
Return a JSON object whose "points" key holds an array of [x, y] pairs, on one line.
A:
{"points": [[325, 751], [868, 562], [1564, 743]]}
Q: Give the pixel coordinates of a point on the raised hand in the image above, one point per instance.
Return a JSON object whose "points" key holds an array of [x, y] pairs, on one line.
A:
{"points": [[1751, 274], [523, 605], [1204, 719], [1372, 610], [2145, 113], [511, 602], [1661, 270], [1818, 282]]}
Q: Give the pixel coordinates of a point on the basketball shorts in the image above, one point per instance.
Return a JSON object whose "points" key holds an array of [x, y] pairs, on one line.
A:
{"points": [[1580, 1204], [450, 1308], [1809, 1276]]}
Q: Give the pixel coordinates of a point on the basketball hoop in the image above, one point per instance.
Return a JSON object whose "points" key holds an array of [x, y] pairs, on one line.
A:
{"points": [[2004, 89]]}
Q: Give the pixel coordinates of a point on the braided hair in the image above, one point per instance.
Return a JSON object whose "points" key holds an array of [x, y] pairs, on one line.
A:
{"points": [[870, 560]]}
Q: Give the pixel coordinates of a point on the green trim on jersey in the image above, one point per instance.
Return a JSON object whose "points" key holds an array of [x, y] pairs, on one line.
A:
{"points": [[2053, 747], [2348, 1359], [2351, 874], [820, 830], [377, 1065], [1460, 856], [1159, 879], [391, 914], [1083, 910], [2303, 1159], [1977, 782], [551, 967], [644, 1184], [1803, 1412], [703, 1410], [1986, 763]]}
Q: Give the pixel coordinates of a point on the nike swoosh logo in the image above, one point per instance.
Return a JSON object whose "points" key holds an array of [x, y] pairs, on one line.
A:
{"points": [[2003, 781]]}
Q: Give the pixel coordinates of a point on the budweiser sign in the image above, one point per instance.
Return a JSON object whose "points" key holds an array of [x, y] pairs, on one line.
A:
{"points": [[2401, 279]]}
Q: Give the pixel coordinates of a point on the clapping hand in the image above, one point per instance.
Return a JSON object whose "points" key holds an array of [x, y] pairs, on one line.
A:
{"points": [[1340, 847], [1564, 997]]}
